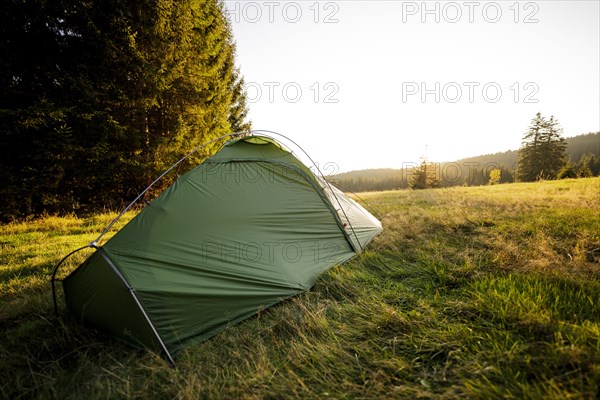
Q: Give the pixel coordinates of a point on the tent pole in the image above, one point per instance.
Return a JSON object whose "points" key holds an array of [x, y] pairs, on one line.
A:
{"points": [[360, 198], [53, 279], [97, 240], [131, 291], [322, 176], [259, 132]]}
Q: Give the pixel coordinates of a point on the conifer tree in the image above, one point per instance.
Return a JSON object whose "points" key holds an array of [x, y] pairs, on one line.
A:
{"points": [[542, 152], [588, 165], [424, 176], [568, 170], [584, 170], [239, 108]]}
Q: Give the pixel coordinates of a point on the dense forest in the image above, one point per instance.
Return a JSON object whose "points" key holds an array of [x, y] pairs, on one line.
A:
{"points": [[98, 97], [471, 171]]}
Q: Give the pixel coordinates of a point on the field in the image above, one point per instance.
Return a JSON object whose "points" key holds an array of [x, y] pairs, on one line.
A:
{"points": [[484, 292]]}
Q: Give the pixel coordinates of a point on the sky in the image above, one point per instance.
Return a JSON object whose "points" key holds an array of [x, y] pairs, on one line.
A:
{"points": [[379, 84]]}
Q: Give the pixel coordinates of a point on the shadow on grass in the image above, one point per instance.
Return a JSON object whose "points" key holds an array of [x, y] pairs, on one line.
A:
{"points": [[43, 356]]}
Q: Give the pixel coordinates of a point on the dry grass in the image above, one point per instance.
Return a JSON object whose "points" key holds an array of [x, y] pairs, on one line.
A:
{"points": [[470, 292]]}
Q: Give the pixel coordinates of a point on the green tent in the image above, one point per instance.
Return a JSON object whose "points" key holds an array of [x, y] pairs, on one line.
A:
{"points": [[250, 226]]}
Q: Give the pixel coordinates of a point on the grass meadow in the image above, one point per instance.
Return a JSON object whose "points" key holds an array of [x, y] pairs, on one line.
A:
{"points": [[480, 292]]}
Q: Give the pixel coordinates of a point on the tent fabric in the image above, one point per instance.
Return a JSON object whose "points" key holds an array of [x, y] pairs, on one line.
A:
{"points": [[247, 228], [95, 291]]}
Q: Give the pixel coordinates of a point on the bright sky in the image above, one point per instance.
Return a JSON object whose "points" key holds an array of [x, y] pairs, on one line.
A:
{"points": [[375, 84]]}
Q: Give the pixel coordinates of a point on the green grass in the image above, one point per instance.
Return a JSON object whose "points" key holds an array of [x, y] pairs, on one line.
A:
{"points": [[482, 292]]}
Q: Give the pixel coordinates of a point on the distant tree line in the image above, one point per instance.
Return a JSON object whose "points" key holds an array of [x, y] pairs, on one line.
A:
{"points": [[423, 175], [98, 97], [578, 157]]}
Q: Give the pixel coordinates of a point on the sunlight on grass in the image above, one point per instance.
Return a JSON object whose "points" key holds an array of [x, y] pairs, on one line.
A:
{"points": [[480, 292]]}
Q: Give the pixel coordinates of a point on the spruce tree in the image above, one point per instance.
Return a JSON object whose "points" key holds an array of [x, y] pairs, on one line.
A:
{"points": [[424, 176], [239, 109], [584, 169], [568, 170], [589, 165], [542, 152]]}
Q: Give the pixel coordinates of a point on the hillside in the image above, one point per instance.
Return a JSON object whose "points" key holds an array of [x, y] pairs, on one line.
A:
{"points": [[469, 292], [577, 146], [469, 171]]}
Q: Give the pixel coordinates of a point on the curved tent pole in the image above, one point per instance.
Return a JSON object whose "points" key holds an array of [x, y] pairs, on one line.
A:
{"points": [[95, 242], [259, 132], [322, 176], [55, 272]]}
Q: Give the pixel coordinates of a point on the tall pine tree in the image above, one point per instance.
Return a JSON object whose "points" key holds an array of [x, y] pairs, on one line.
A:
{"points": [[542, 152]]}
